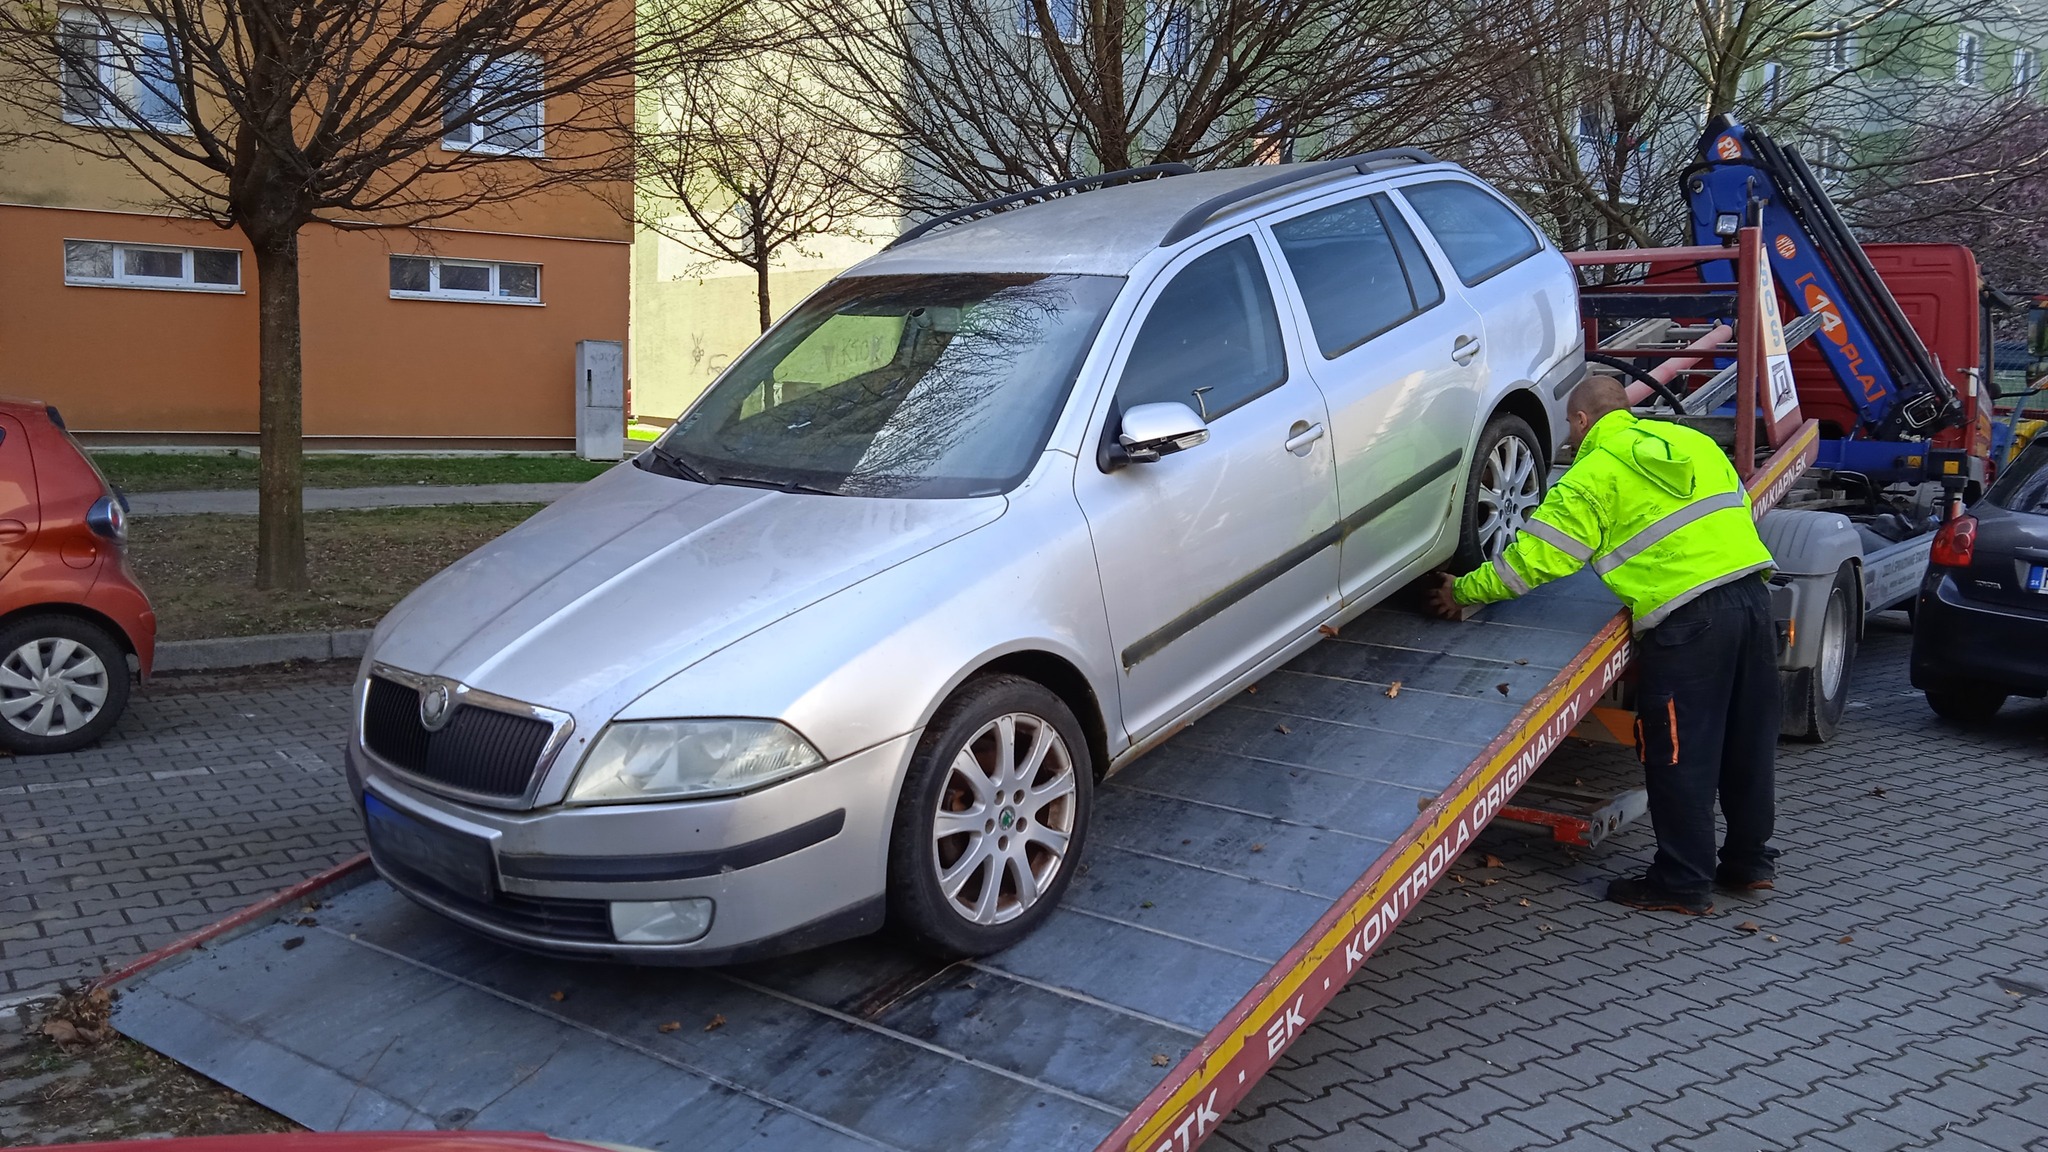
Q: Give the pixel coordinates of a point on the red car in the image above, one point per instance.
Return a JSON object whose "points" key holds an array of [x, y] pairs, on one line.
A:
{"points": [[75, 628]]}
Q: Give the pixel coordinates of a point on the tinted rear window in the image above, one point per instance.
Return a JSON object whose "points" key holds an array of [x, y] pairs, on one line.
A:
{"points": [[2023, 487], [1359, 270], [1481, 235]]}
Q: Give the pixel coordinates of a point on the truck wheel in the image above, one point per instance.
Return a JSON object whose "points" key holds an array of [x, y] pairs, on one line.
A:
{"points": [[1965, 703], [63, 684], [1504, 485], [1813, 708], [992, 819]]}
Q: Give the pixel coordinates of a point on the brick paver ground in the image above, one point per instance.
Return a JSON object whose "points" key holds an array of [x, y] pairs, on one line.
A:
{"points": [[212, 791], [1893, 994]]}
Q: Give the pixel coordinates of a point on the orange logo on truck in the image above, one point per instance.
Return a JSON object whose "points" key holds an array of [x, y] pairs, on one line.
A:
{"points": [[1785, 246], [1832, 326], [1728, 148]]}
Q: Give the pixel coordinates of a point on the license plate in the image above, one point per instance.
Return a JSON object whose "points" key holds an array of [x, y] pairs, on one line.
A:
{"points": [[2037, 579], [460, 863]]}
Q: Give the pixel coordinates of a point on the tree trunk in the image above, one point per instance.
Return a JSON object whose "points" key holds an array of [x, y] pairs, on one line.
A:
{"points": [[759, 249], [761, 294], [281, 514]]}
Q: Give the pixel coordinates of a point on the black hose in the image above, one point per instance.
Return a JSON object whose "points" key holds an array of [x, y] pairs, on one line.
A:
{"points": [[1637, 372]]}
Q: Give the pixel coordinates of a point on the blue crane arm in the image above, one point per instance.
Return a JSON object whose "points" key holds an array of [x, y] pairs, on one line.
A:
{"points": [[1876, 356]]}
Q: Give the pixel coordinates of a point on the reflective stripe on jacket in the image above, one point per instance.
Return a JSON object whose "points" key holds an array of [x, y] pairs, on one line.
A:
{"points": [[1655, 507]]}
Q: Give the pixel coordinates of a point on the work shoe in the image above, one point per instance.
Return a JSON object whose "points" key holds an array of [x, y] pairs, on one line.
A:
{"points": [[1733, 879], [1638, 892]]}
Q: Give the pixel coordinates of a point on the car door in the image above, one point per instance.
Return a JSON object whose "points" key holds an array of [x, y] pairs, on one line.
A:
{"points": [[1214, 557], [1402, 364], [20, 510]]}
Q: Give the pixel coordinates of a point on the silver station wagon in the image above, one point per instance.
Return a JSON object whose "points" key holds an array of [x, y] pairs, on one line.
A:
{"points": [[983, 519]]}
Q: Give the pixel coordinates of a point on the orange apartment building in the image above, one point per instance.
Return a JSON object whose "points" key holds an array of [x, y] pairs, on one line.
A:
{"points": [[142, 327]]}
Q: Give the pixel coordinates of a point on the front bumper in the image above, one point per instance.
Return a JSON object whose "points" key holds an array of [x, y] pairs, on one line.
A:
{"points": [[1956, 640], [791, 866]]}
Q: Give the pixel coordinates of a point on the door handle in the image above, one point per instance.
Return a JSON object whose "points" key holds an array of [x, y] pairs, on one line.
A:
{"points": [[1303, 435], [9, 529], [1465, 349]]}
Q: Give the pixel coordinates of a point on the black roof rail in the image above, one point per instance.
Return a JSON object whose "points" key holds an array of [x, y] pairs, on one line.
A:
{"points": [[1083, 184], [1365, 162]]}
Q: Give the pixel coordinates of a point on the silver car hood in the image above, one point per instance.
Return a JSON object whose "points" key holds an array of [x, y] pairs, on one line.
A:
{"points": [[635, 577]]}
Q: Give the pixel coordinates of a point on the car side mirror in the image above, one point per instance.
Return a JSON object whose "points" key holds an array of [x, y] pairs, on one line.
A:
{"points": [[1150, 431]]}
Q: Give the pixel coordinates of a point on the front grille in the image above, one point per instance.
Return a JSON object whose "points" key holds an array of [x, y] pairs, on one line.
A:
{"points": [[479, 750], [585, 921]]}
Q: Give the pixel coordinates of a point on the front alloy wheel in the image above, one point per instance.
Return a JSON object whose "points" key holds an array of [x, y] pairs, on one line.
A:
{"points": [[992, 817]]}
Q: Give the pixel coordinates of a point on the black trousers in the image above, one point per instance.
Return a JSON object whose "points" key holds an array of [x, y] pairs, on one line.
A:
{"points": [[1707, 705]]}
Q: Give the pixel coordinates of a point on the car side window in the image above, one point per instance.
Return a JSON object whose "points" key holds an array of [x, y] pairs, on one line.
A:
{"points": [[1359, 269], [1212, 339], [1481, 235]]}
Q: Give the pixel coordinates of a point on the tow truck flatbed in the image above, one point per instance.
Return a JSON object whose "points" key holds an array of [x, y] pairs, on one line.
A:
{"points": [[1235, 878]]}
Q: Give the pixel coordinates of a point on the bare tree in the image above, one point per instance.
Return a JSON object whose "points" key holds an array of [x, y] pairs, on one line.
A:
{"points": [[986, 97], [1991, 194], [759, 159], [271, 115]]}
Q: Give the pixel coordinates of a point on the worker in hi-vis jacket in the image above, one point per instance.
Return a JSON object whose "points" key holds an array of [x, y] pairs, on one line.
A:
{"points": [[1660, 514]]}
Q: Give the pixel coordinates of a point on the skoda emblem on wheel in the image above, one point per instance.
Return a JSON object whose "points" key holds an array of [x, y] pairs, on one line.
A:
{"points": [[434, 707]]}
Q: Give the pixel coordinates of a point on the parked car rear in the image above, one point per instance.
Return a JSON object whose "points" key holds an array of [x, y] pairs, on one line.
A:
{"points": [[75, 627], [1981, 630]]}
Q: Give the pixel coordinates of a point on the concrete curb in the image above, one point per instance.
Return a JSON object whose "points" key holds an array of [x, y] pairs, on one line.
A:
{"points": [[255, 651]]}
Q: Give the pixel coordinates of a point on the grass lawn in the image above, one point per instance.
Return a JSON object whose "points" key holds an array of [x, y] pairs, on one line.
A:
{"points": [[199, 570], [190, 471]]}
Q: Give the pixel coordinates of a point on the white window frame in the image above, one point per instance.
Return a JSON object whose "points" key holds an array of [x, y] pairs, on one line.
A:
{"points": [[1160, 15], [112, 32], [1830, 159], [489, 296], [1770, 88], [121, 278], [1027, 19], [484, 136], [1836, 49], [1969, 59], [2026, 70]]}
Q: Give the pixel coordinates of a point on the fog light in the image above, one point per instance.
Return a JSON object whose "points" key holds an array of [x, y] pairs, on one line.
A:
{"points": [[660, 921]]}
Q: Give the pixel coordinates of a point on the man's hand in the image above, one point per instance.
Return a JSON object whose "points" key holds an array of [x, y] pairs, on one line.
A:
{"points": [[1440, 600]]}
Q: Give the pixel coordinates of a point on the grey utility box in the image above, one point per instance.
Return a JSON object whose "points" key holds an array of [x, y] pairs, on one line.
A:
{"points": [[600, 399]]}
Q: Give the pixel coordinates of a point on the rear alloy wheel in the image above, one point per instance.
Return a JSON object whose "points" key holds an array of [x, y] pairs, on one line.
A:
{"points": [[63, 684], [993, 815], [1821, 693], [1505, 485]]}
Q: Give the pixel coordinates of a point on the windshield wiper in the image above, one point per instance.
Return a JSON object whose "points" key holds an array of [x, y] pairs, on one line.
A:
{"points": [[777, 485], [677, 467]]}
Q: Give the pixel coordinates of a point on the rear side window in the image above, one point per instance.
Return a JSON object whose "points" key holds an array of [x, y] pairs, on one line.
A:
{"points": [[1481, 235], [1359, 269], [2024, 485], [1212, 339]]}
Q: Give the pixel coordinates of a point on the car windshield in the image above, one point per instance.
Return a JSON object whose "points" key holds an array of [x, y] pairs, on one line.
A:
{"points": [[906, 386], [2024, 485]]}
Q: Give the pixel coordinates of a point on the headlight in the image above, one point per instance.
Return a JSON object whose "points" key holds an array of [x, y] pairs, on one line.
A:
{"points": [[679, 759]]}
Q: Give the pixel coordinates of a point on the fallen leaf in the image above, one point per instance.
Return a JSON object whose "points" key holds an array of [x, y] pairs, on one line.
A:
{"points": [[558, 995], [65, 1033], [1501, 688], [1258, 847], [1393, 689], [1159, 1060], [1144, 903], [1846, 939], [1254, 690], [306, 922], [1772, 939], [1521, 661], [1282, 729], [1747, 926], [717, 1022], [671, 1026], [1422, 803], [1327, 630], [1459, 877], [1187, 841], [293, 942], [1523, 901], [1877, 791], [1546, 928], [1492, 861], [1488, 881]]}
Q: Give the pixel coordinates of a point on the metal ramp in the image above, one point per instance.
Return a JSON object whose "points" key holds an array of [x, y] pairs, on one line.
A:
{"points": [[1234, 877]]}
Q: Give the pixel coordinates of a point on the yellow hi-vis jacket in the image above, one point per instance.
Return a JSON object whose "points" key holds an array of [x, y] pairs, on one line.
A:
{"points": [[1655, 507]]}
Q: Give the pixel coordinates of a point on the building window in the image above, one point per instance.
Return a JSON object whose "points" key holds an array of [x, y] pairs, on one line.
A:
{"points": [[495, 105], [482, 281], [2026, 70], [107, 264], [1969, 59], [116, 70], [1772, 89], [1834, 50], [1273, 142], [1830, 160], [1066, 18], [1169, 37]]}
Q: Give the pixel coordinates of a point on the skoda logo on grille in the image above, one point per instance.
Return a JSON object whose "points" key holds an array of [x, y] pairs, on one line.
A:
{"points": [[435, 706]]}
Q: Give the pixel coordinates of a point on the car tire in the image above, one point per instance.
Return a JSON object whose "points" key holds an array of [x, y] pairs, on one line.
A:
{"points": [[1504, 483], [984, 845], [1965, 703], [61, 674], [1813, 709]]}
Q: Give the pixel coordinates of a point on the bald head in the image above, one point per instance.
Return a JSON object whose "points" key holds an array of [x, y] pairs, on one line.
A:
{"points": [[1595, 397]]}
